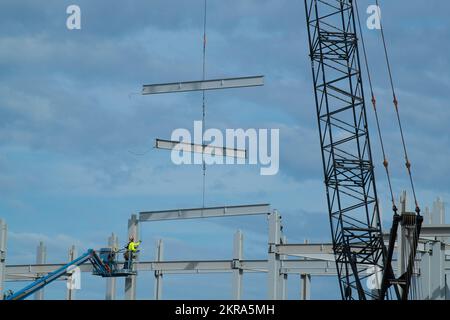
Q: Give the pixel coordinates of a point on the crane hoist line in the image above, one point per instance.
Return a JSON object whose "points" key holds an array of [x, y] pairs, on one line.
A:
{"points": [[364, 263]]}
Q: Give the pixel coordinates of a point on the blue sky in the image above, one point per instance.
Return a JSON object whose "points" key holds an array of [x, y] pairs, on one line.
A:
{"points": [[71, 126]]}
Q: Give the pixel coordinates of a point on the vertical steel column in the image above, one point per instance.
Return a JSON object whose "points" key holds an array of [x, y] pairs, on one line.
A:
{"points": [[159, 273], [237, 258], [41, 258], [433, 278], [424, 278], [283, 276], [438, 213], [70, 291], [433, 272], [437, 274], [3, 237], [111, 285], [130, 281], [305, 292], [427, 216], [274, 262]]}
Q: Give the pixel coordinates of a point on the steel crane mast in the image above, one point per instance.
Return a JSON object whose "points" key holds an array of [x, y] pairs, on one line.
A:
{"points": [[347, 158]]}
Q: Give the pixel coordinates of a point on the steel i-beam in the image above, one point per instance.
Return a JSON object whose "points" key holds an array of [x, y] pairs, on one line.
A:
{"points": [[214, 84]]}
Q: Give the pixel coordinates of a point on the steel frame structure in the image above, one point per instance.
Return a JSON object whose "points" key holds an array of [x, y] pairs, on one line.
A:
{"points": [[312, 260], [309, 260], [345, 144]]}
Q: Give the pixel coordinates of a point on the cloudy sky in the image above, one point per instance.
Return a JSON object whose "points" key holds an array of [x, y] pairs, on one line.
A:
{"points": [[76, 156]]}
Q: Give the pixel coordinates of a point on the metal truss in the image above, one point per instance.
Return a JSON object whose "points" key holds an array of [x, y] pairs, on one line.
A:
{"points": [[344, 138]]}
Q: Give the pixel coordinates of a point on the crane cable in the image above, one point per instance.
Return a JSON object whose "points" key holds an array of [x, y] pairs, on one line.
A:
{"points": [[204, 104], [395, 101], [374, 104], [414, 287]]}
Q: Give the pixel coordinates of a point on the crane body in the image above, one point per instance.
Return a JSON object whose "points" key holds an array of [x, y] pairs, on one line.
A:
{"points": [[352, 200]]}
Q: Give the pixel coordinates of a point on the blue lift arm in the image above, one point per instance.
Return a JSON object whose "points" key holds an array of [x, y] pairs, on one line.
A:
{"points": [[90, 255]]}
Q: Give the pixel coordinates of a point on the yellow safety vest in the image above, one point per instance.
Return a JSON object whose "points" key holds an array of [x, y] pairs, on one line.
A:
{"points": [[132, 246]]}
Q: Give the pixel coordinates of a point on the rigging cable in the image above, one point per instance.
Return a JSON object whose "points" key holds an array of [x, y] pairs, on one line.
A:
{"points": [[395, 101], [374, 104], [204, 105]]}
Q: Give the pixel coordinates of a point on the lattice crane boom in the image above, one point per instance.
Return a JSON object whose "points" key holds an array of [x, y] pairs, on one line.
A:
{"points": [[356, 230], [347, 159]]}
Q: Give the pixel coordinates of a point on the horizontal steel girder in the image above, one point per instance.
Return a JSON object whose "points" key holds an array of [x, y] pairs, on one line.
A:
{"points": [[214, 84], [436, 230], [211, 212], [313, 267], [304, 249], [316, 264], [198, 148]]}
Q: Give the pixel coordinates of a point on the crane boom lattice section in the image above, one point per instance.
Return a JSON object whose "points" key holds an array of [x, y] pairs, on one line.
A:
{"points": [[346, 154]]}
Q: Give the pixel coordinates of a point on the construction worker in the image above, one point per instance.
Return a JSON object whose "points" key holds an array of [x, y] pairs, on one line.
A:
{"points": [[129, 255], [133, 246]]}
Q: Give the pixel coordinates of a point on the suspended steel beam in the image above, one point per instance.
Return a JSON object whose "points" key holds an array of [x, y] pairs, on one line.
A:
{"points": [[215, 84], [212, 212], [198, 148]]}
